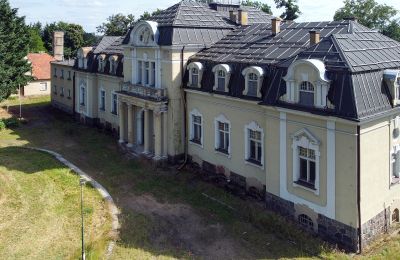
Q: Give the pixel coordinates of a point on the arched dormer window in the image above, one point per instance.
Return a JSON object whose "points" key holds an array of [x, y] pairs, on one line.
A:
{"points": [[195, 74], [307, 78], [145, 33], [113, 64], [253, 81], [222, 74], [306, 93], [82, 57], [102, 63]]}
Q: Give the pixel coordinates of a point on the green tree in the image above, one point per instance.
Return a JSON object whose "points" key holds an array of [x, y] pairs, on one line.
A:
{"points": [[73, 37], [371, 14], [90, 39], [259, 5], [36, 43], [146, 15], [14, 43], [292, 10], [117, 25]]}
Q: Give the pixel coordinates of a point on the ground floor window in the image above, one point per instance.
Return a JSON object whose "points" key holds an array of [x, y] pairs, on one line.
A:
{"points": [[102, 100], [223, 137], [254, 150], [43, 86], [395, 216], [82, 96], [69, 93], [114, 104], [55, 89], [62, 91], [307, 166]]}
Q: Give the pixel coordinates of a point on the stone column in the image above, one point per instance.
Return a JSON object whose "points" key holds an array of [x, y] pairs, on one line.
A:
{"points": [[147, 134], [165, 134], [157, 135], [121, 122], [130, 126]]}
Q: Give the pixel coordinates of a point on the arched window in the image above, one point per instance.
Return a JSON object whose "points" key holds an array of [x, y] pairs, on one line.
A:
{"points": [[306, 221], [306, 93], [252, 82], [395, 216], [195, 77], [221, 80]]}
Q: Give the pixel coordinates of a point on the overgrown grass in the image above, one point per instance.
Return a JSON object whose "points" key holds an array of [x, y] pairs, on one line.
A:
{"points": [[40, 213], [263, 233]]}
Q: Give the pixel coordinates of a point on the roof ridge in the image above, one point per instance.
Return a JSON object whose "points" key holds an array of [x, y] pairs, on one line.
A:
{"points": [[340, 51]]}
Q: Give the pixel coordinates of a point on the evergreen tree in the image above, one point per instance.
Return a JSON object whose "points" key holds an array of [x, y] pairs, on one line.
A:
{"points": [[14, 43]]}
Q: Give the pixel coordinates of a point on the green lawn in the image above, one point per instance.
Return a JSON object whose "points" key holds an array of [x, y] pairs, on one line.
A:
{"points": [[164, 213], [40, 213]]}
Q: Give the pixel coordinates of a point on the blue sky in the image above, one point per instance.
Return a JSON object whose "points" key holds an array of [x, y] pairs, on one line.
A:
{"points": [[91, 13]]}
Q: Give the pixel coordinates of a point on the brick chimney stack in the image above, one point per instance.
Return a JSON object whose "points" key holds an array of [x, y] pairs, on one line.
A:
{"points": [[58, 45], [276, 26], [243, 17], [314, 37]]}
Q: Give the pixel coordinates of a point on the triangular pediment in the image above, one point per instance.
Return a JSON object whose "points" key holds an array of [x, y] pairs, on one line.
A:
{"points": [[304, 133]]}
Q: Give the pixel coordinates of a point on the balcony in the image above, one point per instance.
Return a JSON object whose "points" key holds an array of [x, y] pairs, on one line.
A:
{"points": [[149, 93]]}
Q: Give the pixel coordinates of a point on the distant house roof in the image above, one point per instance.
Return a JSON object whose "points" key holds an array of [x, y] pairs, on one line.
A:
{"points": [[40, 65], [69, 62]]}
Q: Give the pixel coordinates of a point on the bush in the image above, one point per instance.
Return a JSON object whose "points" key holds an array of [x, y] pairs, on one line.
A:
{"points": [[12, 122], [2, 125]]}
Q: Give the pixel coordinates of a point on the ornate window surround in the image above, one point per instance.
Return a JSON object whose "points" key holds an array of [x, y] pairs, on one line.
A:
{"points": [[321, 85], [200, 68], [227, 69], [260, 74], [113, 64], [221, 118], [102, 65], [254, 127], [196, 112], [150, 28], [304, 138]]}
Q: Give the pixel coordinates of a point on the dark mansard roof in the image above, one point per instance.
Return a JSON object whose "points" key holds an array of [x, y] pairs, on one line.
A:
{"points": [[355, 58]]}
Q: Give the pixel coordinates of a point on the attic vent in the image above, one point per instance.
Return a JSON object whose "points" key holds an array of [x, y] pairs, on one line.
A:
{"points": [[392, 79]]}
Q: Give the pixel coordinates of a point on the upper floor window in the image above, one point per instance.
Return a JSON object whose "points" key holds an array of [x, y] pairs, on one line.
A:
{"points": [[102, 100], [55, 72], [254, 146], [196, 127], [253, 81], [306, 93], [146, 73], [62, 91], [222, 135], [62, 73], [222, 75], [69, 93], [306, 160], [307, 84], [69, 75], [114, 104], [195, 74]]}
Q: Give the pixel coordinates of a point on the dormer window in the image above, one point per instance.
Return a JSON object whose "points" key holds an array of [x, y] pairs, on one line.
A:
{"points": [[195, 74], [307, 84], [306, 93], [253, 80], [392, 79], [102, 63], [113, 64], [222, 74]]}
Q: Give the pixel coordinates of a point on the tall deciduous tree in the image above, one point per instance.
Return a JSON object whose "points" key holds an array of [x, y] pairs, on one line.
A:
{"points": [[14, 42], [36, 43], [371, 14], [117, 25], [259, 5], [292, 10]]}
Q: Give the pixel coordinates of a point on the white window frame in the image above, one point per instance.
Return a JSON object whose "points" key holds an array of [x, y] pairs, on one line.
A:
{"points": [[304, 86], [305, 139], [253, 126], [394, 156], [196, 112], [200, 69], [102, 107], [142, 70], [260, 74], [112, 103], [43, 86], [225, 68], [82, 95], [113, 64], [222, 119], [101, 60]]}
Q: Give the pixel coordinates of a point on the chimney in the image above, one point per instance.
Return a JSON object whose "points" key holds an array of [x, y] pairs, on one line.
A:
{"points": [[243, 17], [314, 37], [232, 16], [352, 18], [276, 26], [58, 45]]}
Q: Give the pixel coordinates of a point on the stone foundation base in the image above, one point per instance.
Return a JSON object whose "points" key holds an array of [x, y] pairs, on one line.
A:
{"points": [[375, 227]]}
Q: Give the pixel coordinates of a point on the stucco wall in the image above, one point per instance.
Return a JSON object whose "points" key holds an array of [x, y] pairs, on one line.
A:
{"points": [[34, 88], [65, 101], [109, 85]]}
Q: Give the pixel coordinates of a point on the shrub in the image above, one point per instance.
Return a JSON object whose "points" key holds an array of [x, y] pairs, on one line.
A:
{"points": [[2, 125], [12, 122]]}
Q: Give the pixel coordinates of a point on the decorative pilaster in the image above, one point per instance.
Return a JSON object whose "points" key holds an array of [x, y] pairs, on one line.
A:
{"points": [[121, 122], [157, 135], [165, 134]]}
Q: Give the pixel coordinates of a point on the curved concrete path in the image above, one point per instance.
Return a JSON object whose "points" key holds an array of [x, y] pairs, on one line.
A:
{"points": [[104, 193]]}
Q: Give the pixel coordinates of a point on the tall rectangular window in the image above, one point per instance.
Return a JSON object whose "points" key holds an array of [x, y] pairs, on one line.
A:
{"points": [[252, 82], [69, 93], [221, 80], [197, 129], [223, 137], [82, 96], [307, 167], [114, 105], [55, 72], [62, 73], [153, 74], [146, 73], [43, 86], [102, 100], [62, 91], [255, 146], [139, 72], [195, 77]]}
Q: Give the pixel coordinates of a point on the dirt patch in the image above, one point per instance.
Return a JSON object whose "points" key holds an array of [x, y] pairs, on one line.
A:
{"points": [[178, 225]]}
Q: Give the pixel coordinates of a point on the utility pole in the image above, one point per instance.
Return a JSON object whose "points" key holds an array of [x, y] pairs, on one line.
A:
{"points": [[82, 182], [20, 103]]}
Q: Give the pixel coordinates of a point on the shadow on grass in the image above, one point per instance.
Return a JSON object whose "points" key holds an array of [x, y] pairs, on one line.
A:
{"points": [[262, 233]]}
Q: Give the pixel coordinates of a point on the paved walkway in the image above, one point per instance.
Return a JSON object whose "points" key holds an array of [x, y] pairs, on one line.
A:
{"points": [[104, 193]]}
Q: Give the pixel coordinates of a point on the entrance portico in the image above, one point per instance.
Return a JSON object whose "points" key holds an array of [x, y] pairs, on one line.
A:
{"points": [[143, 125]]}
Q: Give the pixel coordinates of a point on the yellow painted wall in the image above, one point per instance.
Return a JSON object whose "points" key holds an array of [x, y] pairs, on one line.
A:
{"points": [[64, 102], [109, 85]]}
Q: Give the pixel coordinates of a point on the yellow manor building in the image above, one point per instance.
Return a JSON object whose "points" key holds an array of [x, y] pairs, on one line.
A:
{"points": [[305, 114]]}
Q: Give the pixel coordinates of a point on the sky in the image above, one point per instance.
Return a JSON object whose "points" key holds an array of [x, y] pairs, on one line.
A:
{"points": [[92, 13]]}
